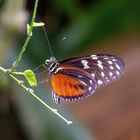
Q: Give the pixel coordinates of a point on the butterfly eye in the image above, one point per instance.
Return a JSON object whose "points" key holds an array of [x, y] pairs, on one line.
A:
{"points": [[47, 62], [52, 59]]}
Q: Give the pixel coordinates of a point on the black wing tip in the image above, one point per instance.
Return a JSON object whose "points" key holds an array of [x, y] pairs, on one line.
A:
{"points": [[120, 60]]}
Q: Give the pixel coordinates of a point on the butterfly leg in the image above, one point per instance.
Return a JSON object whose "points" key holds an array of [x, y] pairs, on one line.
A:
{"points": [[55, 98]]}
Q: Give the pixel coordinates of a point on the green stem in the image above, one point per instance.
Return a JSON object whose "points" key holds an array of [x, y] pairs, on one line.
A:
{"points": [[27, 39], [17, 73], [34, 15], [15, 64]]}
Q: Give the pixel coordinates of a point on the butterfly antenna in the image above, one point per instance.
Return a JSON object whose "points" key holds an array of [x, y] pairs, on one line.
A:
{"points": [[48, 41], [56, 50]]}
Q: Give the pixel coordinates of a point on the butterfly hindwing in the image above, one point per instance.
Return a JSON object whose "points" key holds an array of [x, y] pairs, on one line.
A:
{"points": [[102, 68], [72, 83]]}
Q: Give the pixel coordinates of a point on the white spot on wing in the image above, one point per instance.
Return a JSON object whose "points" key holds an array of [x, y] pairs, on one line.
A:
{"points": [[99, 82], [111, 67], [114, 60], [117, 72], [85, 63], [105, 58], [89, 88], [110, 73], [94, 57], [117, 66], [110, 62], [114, 77], [102, 74], [93, 75], [100, 64], [107, 80], [90, 81]]}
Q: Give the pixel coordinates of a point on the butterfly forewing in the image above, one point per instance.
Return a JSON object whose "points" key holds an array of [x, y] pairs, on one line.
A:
{"points": [[102, 68]]}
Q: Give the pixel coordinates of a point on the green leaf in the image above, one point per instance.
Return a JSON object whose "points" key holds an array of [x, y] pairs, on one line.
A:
{"points": [[31, 78]]}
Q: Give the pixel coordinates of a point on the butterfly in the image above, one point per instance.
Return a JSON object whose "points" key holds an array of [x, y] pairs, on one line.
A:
{"points": [[79, 77]]}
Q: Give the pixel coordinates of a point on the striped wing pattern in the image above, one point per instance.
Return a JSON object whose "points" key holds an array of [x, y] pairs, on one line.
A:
{"points": [[80, 76], [103, 68]]}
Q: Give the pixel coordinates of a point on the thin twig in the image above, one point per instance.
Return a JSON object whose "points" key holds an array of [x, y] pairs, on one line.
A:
{"points": [[15, 64], [3, 69]]}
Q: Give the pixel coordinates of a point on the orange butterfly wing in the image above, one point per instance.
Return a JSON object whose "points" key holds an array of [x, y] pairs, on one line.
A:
{"points": [[72, 84], [65, 86]]}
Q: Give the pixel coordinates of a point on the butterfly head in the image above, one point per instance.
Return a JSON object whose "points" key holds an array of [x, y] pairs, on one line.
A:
{"points": [[52, 64], [50, 61]]}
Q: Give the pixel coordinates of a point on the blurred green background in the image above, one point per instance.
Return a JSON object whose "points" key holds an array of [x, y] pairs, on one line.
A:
{"points": [[90, 27]]}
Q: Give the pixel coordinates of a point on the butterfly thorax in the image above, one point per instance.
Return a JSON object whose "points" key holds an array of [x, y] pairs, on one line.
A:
{"points": [[53, 65]]}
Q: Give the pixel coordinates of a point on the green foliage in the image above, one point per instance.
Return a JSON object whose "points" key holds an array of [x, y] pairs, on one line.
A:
{"points": [[31, 78]]}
